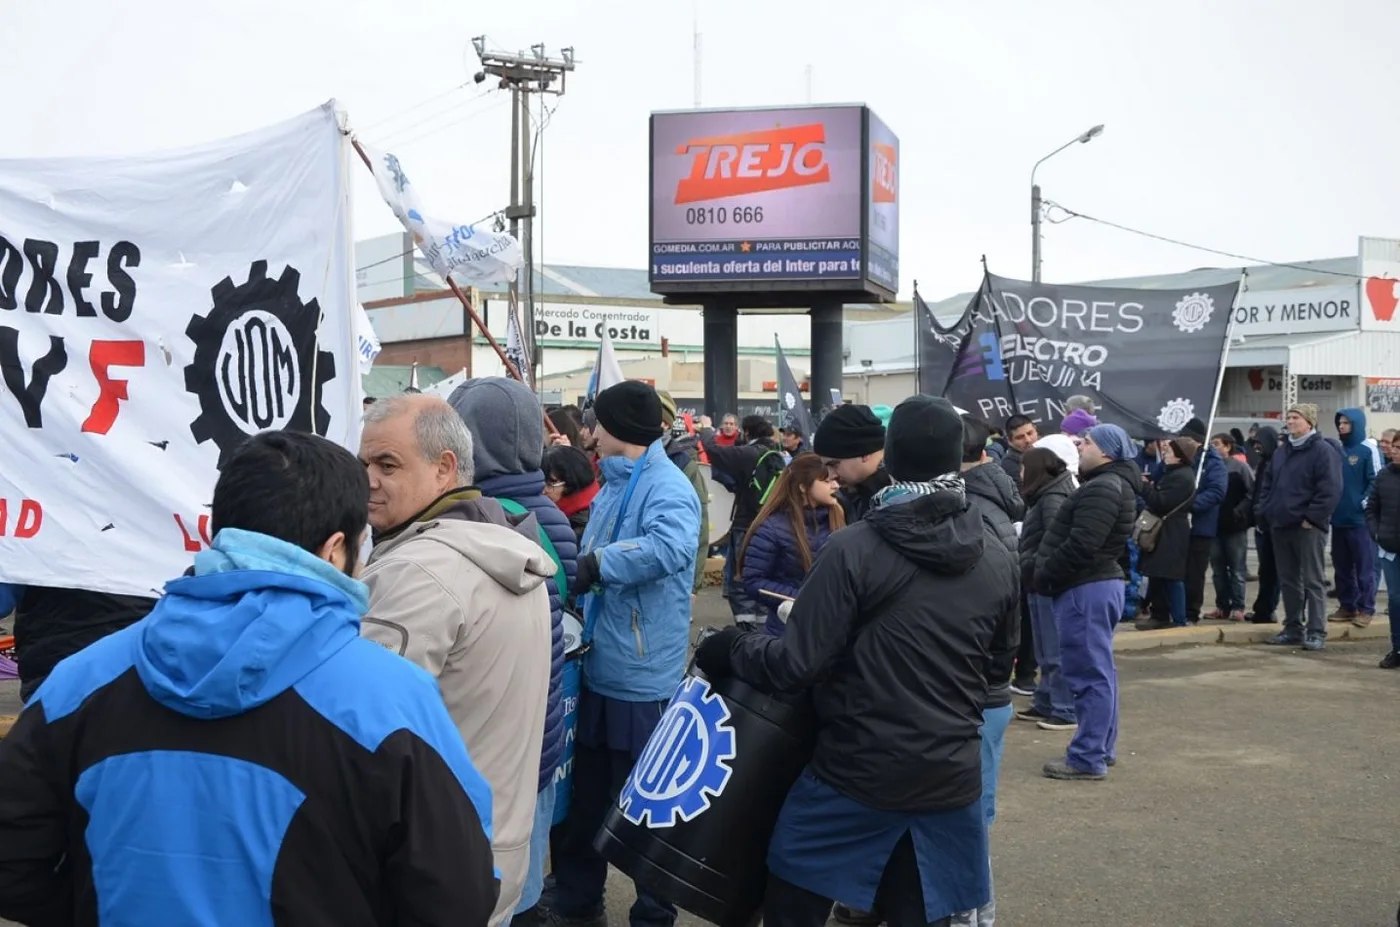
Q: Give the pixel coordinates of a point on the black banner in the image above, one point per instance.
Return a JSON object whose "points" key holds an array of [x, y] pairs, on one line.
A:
{"points": [[1150, 359], [791, 407]]}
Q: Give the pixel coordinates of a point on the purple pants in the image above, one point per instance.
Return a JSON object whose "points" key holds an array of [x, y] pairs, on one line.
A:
{"points": [[1085, 616], [1354, 564]]}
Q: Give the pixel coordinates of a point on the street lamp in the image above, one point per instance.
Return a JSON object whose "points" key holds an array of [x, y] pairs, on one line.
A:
{"points": [[1083, 139]]}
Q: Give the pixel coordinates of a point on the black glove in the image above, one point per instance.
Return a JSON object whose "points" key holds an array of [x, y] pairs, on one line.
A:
{"points": [[714, 655], [587, 575]]}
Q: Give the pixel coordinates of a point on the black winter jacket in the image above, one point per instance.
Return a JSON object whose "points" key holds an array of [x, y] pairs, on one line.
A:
{"points": [[53, 624], [997, 499], [1043, 506], [1171, 499], [856, 500], [1305, 484], [1011, 463], [894, 632], [1090, 532], [1383, 510], [1267, 439], [1237, 511], [738, 463]]}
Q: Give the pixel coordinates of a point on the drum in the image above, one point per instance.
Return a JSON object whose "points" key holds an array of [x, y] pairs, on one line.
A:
{"points": [[573, 681], [693, 821], [721, 507]]}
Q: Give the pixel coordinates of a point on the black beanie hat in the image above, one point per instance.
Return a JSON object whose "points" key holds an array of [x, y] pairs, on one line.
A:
{"points": [[848, 432], [630, 411], [925, 439], [1194, 429]]}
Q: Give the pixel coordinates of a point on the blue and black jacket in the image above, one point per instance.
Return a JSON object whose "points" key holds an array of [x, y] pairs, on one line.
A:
{"points": [[242, 756]]}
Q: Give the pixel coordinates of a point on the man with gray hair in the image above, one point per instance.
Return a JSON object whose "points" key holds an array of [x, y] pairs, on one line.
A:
{"points": [[457, 586]]}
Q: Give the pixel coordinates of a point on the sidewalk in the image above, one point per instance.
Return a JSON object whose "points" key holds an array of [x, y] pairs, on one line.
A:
{"points": [[1128, 639]]}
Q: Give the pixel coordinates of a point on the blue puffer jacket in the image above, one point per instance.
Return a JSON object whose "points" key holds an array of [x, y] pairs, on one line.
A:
{"points": [[1210, 493], [772, 561], [528, 490], [1304, 484], [1358, 472], [642, 635]]}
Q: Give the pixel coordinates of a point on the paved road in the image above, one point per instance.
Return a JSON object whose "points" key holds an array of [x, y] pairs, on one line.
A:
{"points": [[1255, 787]]}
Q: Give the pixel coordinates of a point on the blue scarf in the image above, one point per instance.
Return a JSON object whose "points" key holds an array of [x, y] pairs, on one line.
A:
{"points": [[236, 549]]}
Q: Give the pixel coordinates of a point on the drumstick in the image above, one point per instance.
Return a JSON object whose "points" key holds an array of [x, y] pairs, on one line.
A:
{"points": [[776, 595]]}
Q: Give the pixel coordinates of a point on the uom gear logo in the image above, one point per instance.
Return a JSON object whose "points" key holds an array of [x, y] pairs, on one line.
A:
{"points": [[686, 762]]}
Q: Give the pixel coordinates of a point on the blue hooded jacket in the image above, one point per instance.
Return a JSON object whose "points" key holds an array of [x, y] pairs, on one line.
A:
{"points": [[277, 719], [507, 427], [1214, 482], [641, 636], [1358, 471]]}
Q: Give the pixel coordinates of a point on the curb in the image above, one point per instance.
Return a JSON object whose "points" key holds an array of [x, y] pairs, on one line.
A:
{"points": [[1128, 641]]}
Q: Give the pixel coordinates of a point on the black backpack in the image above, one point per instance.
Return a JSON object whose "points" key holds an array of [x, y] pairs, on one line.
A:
{"points": [[766, 471]]}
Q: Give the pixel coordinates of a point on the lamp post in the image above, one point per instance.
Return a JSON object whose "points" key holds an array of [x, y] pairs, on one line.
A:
{"points": [[1083, 139]]}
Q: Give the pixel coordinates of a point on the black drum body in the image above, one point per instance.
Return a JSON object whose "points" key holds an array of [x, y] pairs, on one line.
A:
{"points": [[693, 821]]}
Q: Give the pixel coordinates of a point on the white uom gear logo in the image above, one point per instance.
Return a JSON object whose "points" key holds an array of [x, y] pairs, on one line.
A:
{"points": [[686, 762]]}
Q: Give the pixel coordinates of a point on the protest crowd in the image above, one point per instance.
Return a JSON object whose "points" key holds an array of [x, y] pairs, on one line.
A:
{"points": [[370, 655]]}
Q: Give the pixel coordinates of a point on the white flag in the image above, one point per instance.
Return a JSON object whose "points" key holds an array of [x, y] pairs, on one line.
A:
{"points": [[366, 341], [444, 388], [515, 347], [606, 371], [473, 253]]}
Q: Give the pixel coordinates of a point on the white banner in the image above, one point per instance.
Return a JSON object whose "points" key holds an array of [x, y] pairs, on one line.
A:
{"points": [[470, 253], [156, 310]]}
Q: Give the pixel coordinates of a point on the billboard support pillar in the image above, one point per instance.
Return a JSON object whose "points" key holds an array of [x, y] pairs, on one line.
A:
{"points": [[827, 348], [721, 357]]}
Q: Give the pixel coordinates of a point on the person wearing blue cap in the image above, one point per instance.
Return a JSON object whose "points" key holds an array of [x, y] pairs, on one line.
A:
{"points": [[1077, 565]]}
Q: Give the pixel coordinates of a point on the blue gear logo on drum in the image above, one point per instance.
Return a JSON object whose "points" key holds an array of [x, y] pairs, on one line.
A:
{"points": [[686, 762]]}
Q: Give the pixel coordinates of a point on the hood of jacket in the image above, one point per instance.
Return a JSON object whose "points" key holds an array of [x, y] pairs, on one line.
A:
{"points": [[1126, 470], [688, 444], [256, 617], [1267, 439], [994, 484], [938, 532], [1062, 484], [506, 423], [513, 485], [515, 560], [1357, 417]]}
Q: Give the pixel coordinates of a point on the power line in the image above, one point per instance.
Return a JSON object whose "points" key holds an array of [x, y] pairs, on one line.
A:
{"points": [[440, 119], [1071, 214], [450, 123], [416, 106]]}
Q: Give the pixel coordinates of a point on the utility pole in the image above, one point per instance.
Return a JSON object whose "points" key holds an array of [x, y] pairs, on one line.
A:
{"points": [[524, 74]]}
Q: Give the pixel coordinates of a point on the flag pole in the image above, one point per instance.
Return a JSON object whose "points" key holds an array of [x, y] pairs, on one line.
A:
{"points": [[1240, 290], [467, 305]]}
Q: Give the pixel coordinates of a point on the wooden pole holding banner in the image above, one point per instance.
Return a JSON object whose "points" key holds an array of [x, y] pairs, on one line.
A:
{"points": [[467, 305]]}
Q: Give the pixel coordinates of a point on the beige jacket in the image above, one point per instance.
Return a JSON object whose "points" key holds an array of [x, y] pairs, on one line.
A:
{"points": [[465, 599]]}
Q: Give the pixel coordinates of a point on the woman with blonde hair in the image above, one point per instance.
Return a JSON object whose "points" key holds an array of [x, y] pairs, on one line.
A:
{"points": [[800, 514]]}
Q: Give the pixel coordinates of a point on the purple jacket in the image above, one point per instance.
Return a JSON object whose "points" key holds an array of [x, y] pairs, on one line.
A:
{"points": [[772, 562]]}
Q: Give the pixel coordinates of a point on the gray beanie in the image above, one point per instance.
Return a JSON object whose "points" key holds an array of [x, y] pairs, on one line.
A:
{"points": [[506, 423]]}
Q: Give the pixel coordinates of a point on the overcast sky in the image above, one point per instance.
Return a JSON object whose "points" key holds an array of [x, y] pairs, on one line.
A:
{"points": [[1266, 127]]}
